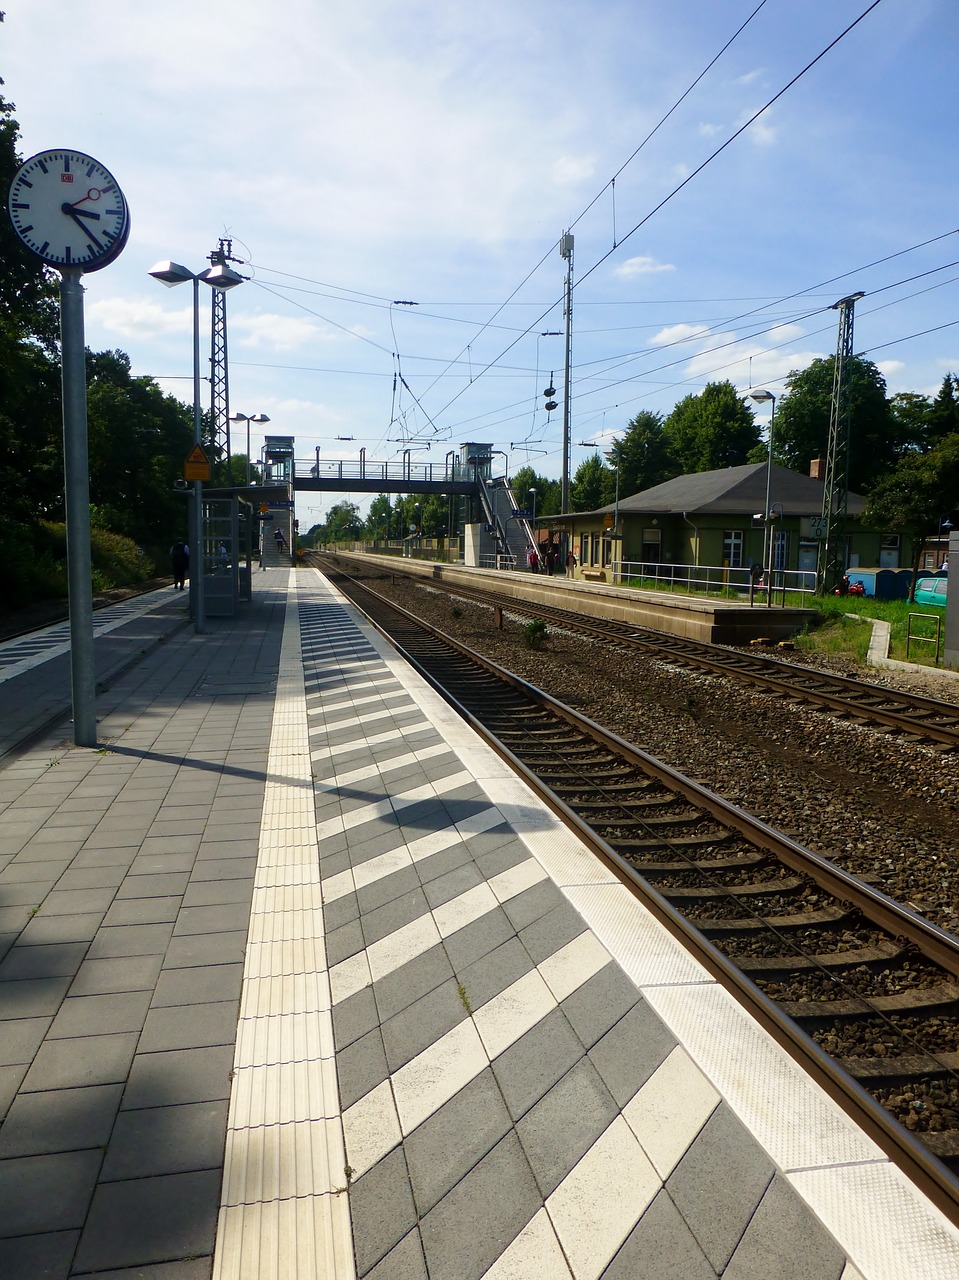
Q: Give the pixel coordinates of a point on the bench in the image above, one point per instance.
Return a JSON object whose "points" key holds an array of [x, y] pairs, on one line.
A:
{"points": [[593, 575]]}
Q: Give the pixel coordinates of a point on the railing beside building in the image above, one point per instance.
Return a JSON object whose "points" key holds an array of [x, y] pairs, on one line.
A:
{"points": [[713, 579]]}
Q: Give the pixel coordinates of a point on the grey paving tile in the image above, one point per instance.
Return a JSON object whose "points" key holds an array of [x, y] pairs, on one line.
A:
{"points": [[195, 1268], [373, 895], [478, 939], [445, 1147], [84, 1061], [197, 986], [218, 919], [360, 1067], [404, 1262], [631, 1051], [150, 1220], [340, 911], [208, 893], [550, 933], [25, 893], [354, 1018], [173, 872], [600, 1003], [718, 1184], [224, 868], [131, 940], [226, 850], [445, 888], [142, 911], [179, 1075], [529, 1068], [343, 942], [411, 982], [154, 884], [494, 972], [565, 1123], [43, 930], [393, 914], [11, 1077], [194, 950], [785, 1240], [126, 973], [108, 877], [100, 1015], [32, 997], [46, 872], [14, 919], [526, 907], [422, 1023], [46, 1193], [382, 1210], [662, 1247], [169, 1139], [41, 1257], [441, 864], [166, 846], [190, 1026], [59, 1120], [499, 1192]]}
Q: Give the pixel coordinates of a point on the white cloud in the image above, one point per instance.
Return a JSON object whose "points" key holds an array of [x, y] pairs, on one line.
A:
{"points": [[709, 130], [281, 333], [643, 266], [678, 333], [143, 318], [760, 132], [568, 170]]}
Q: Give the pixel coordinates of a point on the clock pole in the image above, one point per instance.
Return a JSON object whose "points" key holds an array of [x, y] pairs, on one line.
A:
{"points": [[76, 472]]}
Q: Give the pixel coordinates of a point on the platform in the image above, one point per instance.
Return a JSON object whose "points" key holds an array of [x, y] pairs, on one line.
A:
{"points": [[301, 981], [693, 617]]}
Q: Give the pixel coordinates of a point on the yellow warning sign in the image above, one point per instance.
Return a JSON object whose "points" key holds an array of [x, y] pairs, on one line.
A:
{"points": [[197, 465]]}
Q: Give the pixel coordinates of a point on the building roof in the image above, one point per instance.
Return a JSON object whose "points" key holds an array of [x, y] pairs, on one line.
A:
{"points": [[731, 491]]}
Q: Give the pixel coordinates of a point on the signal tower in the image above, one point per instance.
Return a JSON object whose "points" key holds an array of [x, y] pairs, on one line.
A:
{"points": [[831, 564]]}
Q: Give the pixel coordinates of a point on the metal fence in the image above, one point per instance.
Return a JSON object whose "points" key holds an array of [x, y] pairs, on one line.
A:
{"points": [[714, 580]]}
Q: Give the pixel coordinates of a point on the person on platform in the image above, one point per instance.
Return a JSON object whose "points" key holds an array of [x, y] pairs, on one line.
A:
{"points": [[280, 540], [570, 563], [180, 562], [532, 560], [550, 559]]}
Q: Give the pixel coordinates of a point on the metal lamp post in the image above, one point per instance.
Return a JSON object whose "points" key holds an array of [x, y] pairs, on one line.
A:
{"points": [[247, 418], [768, 526], [220, 277]]}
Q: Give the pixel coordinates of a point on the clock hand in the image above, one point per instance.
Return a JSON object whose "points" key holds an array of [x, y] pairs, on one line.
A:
{"points": [[93, 194], [75, 214], [83, 213]]}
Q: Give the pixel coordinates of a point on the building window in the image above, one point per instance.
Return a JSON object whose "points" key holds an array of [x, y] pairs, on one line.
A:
{"points": [[733, 548], [780, 554], [652, 552], [889, 551]]}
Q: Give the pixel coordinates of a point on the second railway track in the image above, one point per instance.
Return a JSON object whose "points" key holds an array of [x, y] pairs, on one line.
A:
{"points": [[863, 989], [921, 718]]}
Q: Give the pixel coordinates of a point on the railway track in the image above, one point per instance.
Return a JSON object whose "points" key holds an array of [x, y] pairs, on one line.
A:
{"points": [[862, 989], [920, 718]]}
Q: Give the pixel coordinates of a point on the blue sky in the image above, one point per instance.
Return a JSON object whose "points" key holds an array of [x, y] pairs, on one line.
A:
{"points": [[435, 151]]}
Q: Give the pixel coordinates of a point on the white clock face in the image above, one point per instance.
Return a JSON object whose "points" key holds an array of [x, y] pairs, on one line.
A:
{"points": [[67, 208]]}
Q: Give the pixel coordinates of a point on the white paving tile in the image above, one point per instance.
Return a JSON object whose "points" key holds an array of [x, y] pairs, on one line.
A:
{"points": [[535, 1252], [303, 1238], [670, 1109], [566, 970], [371, 1129], [888, 1231], [509, 1015], [601, 1199], [437, 1074]]}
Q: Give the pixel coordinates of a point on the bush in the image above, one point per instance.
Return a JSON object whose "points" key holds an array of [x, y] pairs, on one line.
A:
{"points": [[34, 563], [534, 633]]}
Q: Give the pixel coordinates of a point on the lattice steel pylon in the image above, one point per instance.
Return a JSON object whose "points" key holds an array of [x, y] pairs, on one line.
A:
{"points": [[831, 563], [219, 367]]}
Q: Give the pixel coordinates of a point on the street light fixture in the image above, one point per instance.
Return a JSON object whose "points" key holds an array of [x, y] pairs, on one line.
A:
{"points": [[242, 417], [762, 396], [220, 277]]}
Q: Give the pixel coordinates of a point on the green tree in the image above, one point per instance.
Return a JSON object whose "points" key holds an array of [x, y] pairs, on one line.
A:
{"points": [[711, 430], [944, 412], [915, 495], [802, 420], [643, 455], [590, 485]]}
